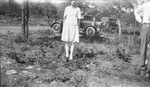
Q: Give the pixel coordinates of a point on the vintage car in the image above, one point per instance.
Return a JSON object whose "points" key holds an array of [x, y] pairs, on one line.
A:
{"points": [[109, 23], [88, 25]]}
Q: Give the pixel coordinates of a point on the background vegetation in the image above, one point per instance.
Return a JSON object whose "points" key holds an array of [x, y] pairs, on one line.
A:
{"points": [[110, 61], [107, 60], [119, 9]]}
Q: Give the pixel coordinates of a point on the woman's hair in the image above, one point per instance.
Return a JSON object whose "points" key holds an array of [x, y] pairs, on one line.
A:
{"points": [[73, 0]]}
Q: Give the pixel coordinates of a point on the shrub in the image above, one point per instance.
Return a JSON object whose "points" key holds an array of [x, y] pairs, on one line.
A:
{"points": [[79, 78], [34, 56], [46, 76], [19, 38], [25, 49], [125, 46], [121, 53], [45, 32]]}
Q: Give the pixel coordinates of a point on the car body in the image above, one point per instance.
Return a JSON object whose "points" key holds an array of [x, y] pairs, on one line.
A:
{"points": [[109, 23], [88, 25]]}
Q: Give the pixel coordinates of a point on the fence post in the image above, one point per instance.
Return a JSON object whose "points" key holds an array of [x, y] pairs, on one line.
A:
{"points": [[119, 26]]}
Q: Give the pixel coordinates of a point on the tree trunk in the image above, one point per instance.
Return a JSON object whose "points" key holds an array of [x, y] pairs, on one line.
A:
{"points": [[25, 19]]}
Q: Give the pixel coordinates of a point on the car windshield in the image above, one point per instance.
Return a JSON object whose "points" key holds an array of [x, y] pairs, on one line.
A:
{"points": [[89, 18], [112, 20]]}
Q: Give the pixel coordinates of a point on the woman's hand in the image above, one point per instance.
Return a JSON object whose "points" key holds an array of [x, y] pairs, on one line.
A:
{"points": [[78, 22], [64, 18]]}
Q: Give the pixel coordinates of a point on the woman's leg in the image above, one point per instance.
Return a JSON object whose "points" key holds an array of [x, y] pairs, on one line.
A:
{"points": [[71, 53], [143, 45], [67, 49]]}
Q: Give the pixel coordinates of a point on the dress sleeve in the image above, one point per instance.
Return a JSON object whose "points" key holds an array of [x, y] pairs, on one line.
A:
{"points": [[79, 13]]}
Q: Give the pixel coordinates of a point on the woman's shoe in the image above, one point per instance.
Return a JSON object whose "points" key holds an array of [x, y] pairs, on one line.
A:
{"points": [[147, 74], [67, 59]]}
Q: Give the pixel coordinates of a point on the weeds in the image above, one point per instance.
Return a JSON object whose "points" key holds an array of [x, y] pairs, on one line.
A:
{"points": [[106, 56], [19, 38]]}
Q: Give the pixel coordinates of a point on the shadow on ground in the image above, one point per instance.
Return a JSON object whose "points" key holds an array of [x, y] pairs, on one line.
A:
{"points": [[93, 39], [87, 39]]}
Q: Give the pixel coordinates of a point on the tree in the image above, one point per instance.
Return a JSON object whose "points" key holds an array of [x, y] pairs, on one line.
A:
{"points": [[14, 10], [10, 9], [3, 8], [122, 9], [50, 11]]}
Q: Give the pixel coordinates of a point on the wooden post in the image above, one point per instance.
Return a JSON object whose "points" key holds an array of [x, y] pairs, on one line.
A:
{"points": [[119, 25], [134, 28], [25, 18]]}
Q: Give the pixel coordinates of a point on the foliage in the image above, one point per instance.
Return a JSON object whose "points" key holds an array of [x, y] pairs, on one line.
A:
{"points": [[121, 9], [120, 53], [10, 9], [19, 38], [43, 10], [3, 8], [46, 76], [13, 10], [104, 57]]}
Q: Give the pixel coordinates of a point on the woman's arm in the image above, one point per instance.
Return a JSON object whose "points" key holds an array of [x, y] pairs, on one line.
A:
{"points": [[79, 22], [79, 16]]}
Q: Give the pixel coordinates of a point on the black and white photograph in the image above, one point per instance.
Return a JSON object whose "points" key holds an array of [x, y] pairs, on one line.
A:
{"points": [[75, 43]]}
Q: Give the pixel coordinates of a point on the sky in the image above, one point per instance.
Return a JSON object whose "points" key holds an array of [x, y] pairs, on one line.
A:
{"points": [[54, 1]]}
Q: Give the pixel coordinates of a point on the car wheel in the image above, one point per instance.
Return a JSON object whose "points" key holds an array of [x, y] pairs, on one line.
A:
{"points": [[56, 28], [90, 31]]}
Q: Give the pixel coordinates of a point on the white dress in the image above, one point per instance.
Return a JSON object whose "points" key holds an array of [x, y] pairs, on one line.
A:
{"points": [[70, 32]]}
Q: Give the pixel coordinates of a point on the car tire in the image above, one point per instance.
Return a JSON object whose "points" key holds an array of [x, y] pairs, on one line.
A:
{"points": [[90, 31], [56, 27]]}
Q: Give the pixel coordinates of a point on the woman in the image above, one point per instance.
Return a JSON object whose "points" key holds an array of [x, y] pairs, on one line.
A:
{"points": [[70, 33]]}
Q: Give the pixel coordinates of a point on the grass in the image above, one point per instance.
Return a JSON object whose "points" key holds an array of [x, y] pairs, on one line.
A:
{"points": [[98, 61]]}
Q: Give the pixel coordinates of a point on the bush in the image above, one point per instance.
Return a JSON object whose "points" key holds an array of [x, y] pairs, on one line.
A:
{"points": [[123, 54], [12, 10], [120, 65], [79, 78], [19, 38], [126, 46]]}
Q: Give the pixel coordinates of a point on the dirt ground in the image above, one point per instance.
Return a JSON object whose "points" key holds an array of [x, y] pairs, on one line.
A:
{"points": [[17, 29], [42, 63]]}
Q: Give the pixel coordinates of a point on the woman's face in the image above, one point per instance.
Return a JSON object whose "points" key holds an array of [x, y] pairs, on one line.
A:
{"points": [[73, 3]]}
